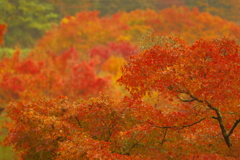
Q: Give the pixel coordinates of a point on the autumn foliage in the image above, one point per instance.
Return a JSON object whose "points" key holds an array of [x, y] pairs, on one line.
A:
{"points": [[90, 90], [65, 74], [202, 74], [225, 9], [2, 30], [87, 29]]}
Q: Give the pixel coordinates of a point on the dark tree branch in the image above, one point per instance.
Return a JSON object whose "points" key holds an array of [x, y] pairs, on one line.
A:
{"points": [[219, 118], [233, 127], [187, 100], [222, 127], [179, 127], [215, 118], [209, 105], [136, 143]]}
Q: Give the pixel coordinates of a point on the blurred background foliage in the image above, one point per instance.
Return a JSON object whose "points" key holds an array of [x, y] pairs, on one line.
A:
{"points": [[28, 20], [52, 33]]}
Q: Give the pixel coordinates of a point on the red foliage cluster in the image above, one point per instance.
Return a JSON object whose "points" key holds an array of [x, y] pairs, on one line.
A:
{"points": [[123, 49], [63, 74], [2, 30]]}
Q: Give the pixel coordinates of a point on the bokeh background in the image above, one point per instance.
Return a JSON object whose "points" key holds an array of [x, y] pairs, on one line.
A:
{"points": [[76, 47]]}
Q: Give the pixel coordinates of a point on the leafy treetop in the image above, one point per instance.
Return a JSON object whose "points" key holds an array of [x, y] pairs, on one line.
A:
{"points": [[205, 72]]}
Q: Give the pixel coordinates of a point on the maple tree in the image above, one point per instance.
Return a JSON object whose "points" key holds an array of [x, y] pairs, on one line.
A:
{"points": [[204, 73]]}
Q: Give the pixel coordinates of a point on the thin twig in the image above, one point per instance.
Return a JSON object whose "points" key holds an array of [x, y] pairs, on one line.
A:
{"points": [[78, 122], [164, 136]]}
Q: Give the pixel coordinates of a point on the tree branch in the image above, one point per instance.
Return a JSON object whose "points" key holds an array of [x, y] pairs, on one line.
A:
{"points": [[222, 127], [218, 117], [78, 122], [179, 127], [210, 106], [233, 127], [214, 117], [136, 143], [164, 136], [187, 100]]}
